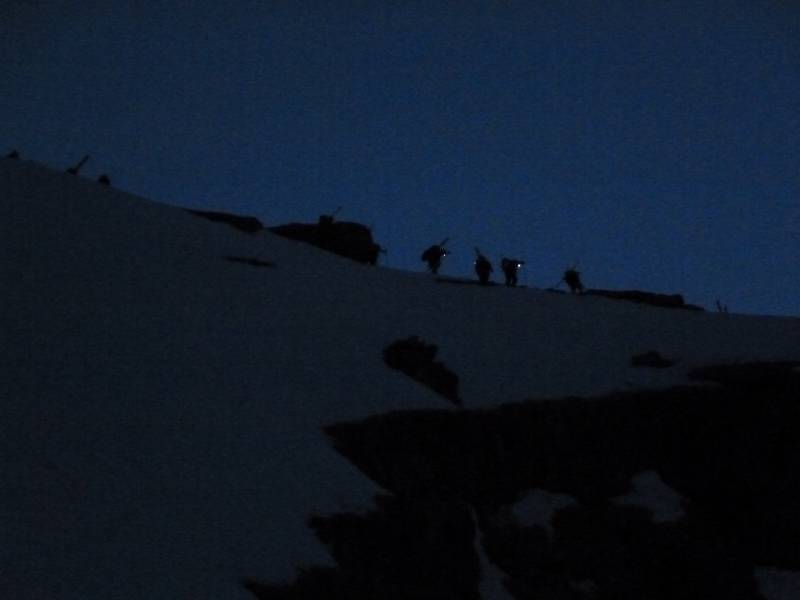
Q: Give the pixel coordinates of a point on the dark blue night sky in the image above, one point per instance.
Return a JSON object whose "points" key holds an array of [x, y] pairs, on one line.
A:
{"points": [[654, 143]]}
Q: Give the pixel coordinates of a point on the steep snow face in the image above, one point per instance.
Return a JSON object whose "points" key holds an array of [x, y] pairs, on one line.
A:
{"points": [[161, 409]]}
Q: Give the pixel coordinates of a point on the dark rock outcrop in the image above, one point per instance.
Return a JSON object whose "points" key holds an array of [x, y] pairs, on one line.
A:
{"points": [[662, 300], [651, 359], [253, 262], [407, 548], [752, 376], [351, 240], [731, 452], [416, 359], [246, 224]]}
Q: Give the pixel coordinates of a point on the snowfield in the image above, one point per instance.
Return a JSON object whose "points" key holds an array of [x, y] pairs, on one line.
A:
{"points": [[162, 407]]}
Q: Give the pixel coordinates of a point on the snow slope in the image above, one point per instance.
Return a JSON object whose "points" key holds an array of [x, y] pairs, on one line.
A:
{"points": [[162, 407]]}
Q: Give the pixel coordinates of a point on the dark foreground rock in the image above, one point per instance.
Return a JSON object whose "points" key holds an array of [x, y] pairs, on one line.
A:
{"points": [[730, 451], [752, 376], [416, 358]]}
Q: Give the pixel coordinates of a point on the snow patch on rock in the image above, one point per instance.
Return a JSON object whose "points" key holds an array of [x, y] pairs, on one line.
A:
{"points": [[538, 508], [491, 584], [650, 491], [775, 584]]}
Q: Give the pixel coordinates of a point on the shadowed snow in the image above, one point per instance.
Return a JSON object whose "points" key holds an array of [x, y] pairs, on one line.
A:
{"points": [[162, 407]]}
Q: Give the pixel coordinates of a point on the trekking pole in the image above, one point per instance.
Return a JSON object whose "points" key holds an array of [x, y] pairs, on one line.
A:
{"points": [[74, 170], [560, 281]]}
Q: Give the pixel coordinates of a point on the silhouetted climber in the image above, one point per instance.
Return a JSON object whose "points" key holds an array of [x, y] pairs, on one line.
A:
{"points": [[573, 279], [104, 179], [74, 170], [483, 267], [13, 154], [434, 255], [510, 266]]}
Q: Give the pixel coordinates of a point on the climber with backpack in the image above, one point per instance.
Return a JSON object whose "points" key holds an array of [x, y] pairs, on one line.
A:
{"points": [[510, 267], [434, 255], [573, 279]]}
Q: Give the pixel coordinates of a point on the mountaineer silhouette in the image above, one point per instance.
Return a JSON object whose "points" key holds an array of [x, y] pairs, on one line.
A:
{"points": [[510, 267], [483, 268], [434, 255], [573, 279]]}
